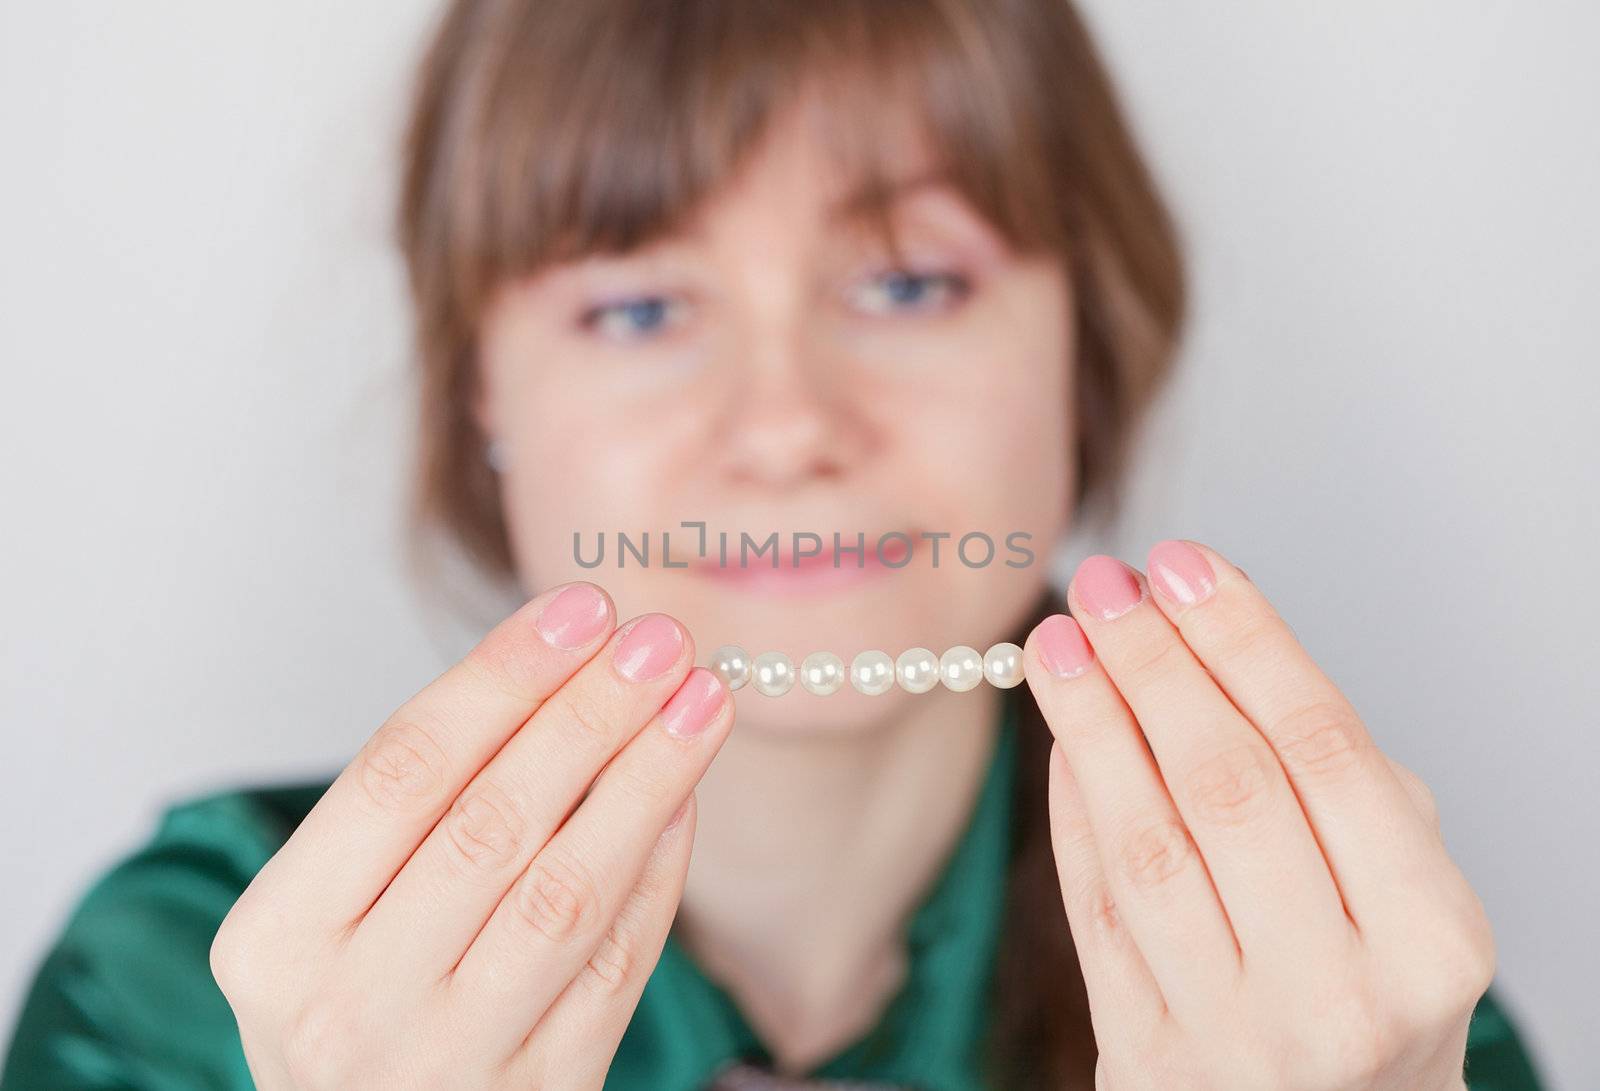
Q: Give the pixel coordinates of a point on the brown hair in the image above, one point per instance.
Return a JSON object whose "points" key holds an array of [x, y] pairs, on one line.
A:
{"points": [[548, 129]]}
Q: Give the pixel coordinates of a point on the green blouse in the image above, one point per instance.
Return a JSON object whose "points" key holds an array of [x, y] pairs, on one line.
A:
{"points": [[125, 999]]}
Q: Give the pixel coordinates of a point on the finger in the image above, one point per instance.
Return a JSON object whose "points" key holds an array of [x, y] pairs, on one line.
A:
{"points": [[440, 900], [1225, 779], [1124, 998], [370, 820], [1155, 874], [549, 925], [1381, 852], [578, 1036]]}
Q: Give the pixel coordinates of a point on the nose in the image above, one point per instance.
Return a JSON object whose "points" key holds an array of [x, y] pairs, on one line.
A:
{"points": [[788, 421]]}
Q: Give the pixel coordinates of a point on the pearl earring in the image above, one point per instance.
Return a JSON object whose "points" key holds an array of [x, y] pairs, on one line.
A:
{"points": [[872, 672], [494, 453]]}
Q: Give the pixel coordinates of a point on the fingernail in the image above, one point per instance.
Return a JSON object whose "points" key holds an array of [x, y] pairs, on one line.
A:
{"points": [[1106, 587], [1181, 572], [677, 816], [649, 648], [693, 706], [1063, 649], [574, 617]]}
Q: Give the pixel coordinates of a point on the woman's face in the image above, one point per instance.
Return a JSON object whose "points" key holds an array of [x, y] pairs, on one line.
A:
{"points": [[770, 368]]}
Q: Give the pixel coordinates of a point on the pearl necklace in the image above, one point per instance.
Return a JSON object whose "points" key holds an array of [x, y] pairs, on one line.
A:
{"points": [[872, 672]]}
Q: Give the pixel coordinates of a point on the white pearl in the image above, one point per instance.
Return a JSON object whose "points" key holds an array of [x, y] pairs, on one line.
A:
{"points": [[773, 674], [917, 670], [732, 663], [822, 673], [872, 673], [961, 668], [1002, 666]]}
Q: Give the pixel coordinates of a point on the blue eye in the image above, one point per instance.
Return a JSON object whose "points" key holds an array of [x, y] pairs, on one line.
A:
{"points": [[901, 290], [633, 319]]}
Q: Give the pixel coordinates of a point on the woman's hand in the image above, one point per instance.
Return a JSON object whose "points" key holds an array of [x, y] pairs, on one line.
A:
{"points": [[479, 898], [1259, 898]]}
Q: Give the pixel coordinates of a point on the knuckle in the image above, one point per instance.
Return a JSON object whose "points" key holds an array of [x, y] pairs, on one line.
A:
{"points": [[1350, 1049], [612, 963], [486, 828], [1148, 662], [582, 722], [1154, 854], [228, 959], [317, 1041], [511, 667], [651, 789], [1230, 787], [1255, 635], [241, 956], [1426, 803], [1478, 971], [1484, 958], [1097, 908], [620, 956], [1321, 739], [1449, 984], [401, 767], [557, 898]]}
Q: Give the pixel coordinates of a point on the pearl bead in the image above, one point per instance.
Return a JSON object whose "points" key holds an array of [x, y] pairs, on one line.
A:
{"points": [[822, 673], [732, 664], [1002, 666], [773, 674], [961, 668], [917, 670], [872, 673]]}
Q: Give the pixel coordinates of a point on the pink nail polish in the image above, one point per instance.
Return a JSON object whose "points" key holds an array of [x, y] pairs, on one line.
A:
{"points": [[695, 704], [649, 647], [1181, 572], [1063, 649], [1106, 587], [574, 617]]}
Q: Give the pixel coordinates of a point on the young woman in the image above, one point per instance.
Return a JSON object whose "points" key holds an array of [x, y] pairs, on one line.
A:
{"points": [[876, 278]]}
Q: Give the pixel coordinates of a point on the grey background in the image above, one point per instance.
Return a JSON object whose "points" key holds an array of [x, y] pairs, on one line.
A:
{"points": [[1385, 411]]}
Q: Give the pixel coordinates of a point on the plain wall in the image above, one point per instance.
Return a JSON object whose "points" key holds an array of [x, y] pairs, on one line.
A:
{"points": [[1385, 412]]}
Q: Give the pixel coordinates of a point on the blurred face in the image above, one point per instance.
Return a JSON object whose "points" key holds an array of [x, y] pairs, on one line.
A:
{"points": [[773, 368]]}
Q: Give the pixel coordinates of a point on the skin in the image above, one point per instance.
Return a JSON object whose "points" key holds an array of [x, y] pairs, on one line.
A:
{"points": [[480, 897], [1258, 895]]}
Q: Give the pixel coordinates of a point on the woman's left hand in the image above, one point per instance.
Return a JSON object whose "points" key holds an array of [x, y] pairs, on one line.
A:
{"points": [[1259, 897]]}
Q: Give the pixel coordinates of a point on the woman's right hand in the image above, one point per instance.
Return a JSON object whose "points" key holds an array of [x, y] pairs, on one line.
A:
{"points": [[479, 898]]}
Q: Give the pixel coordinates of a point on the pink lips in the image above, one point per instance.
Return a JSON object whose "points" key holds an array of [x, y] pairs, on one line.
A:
{"points": [[808, 574]]}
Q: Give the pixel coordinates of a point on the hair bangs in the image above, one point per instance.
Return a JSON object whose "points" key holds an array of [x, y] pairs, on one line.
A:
{"points": [[600, 127]]}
